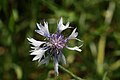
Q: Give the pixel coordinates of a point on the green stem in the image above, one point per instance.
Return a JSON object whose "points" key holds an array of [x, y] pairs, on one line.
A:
{"points": [[73, 75]]}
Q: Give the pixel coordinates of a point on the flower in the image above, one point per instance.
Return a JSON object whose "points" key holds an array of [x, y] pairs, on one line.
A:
{"points": [[52, 45]]}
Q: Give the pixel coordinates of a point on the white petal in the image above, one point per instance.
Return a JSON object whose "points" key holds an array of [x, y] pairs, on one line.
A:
{"points": [[74, 48], [35, 58], [73, 35], [38, 26], [46, 26], [43, 30], [39, 54], [77, 48], [60, 22], [35, 42], [62, 27]]}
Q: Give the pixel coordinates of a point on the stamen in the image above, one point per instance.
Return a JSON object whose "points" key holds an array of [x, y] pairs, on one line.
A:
{"points": [[58, 41]]}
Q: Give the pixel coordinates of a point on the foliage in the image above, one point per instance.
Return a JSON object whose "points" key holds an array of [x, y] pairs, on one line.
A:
{"points": [[98, 23]]}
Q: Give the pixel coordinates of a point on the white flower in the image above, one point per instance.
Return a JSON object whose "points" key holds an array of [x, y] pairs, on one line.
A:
{"points": [[52, 47]]}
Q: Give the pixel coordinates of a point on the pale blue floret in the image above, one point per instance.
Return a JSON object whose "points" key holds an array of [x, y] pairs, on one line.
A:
{"points": [[43, 30]]}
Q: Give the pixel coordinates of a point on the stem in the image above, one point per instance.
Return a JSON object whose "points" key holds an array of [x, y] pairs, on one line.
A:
{"points": [[73, 75], [101, 54]]}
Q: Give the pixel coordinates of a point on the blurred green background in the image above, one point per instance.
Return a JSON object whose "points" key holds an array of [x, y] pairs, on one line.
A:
{"points": [[98, 24]]}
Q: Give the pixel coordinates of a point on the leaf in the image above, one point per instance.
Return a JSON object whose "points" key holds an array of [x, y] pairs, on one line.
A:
{"points": [[18, 71]]}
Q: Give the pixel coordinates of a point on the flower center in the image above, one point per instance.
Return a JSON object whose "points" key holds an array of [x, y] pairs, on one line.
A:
{"points": [[58, 41]]}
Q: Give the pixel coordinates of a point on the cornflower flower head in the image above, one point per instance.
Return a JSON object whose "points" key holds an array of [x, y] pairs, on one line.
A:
{"points": [[53, 44]]}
